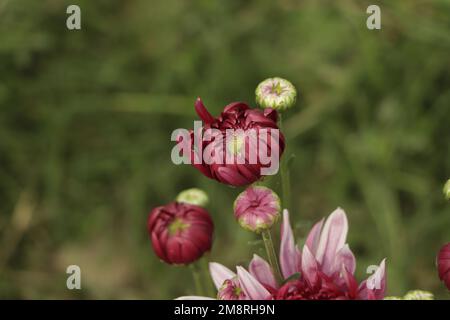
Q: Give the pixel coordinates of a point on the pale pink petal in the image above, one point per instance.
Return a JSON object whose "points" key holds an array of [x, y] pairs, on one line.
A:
{"points": [[345, 258], [252, 288], [309, 266], [262, 271], [289, 255], [220, 273], [312, 241], [375, 286], [194, 298], [332, 239]]}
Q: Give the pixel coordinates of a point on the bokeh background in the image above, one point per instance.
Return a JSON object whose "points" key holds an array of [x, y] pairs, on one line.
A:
{"points": [[86, 118]]}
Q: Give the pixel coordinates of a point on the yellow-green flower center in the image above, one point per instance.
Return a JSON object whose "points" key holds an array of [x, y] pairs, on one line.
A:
{"points": [[176, 226], [237, 291], [277, 89], [235, 144]]}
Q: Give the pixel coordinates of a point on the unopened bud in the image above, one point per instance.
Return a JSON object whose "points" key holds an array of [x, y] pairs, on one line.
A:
{"points": [[419, 295], [447, 190], [257, 208], [276, 93], [193, 196]]}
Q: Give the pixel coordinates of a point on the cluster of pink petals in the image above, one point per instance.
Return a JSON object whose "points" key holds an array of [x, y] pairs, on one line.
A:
{"points": [[322, 270], [257, 208]]}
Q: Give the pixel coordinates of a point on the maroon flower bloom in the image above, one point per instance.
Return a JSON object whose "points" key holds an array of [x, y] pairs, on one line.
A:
{"points": [[252, 147], [443, 262], [180, 233]]}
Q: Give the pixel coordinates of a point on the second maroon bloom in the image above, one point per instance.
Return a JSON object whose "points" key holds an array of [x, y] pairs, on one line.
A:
{"points": [[180, 233]]}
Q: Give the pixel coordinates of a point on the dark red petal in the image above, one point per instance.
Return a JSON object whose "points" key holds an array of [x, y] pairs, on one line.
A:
{"points": [[152, 218], [271, 113], [257, 118], [174, 250], [350, 282], [235, 107], [231, 176], [203, 112], [446, 280], [158, 248], [245, 170], [443, 262], [191, 251]]}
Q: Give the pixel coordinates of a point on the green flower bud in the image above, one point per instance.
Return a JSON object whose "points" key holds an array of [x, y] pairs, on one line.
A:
{"points": [[418, 295], [393, 298], [193, 196], [276, 93], [447, 190]]}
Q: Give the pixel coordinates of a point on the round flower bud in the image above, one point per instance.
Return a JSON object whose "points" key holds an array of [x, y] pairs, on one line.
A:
{"points": [[257, 208], [443, 263], [447, 190], [276, 93], [418, 295], [180, 233], [193, 196]]}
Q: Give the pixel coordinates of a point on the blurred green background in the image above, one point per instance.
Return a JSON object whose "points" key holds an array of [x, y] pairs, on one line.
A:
{"points": [[86, 118]]}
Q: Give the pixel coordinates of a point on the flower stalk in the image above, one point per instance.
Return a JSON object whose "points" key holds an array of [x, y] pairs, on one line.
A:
{"points": [[285, 176], [209, 288], [271, 255], [197, 279]]}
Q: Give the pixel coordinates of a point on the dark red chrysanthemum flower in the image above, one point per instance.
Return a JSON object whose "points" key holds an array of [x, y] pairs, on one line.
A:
{"points": [[254, 144], [180, 233], [443, 262]]}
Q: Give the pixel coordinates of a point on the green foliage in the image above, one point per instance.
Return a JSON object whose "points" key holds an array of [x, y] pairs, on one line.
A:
{"points": [[86, 118]]}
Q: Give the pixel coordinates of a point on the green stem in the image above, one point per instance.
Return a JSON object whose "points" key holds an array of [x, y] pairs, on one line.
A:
{"points": [[197, 279], [210, 289], [285, 177], [285, 184], [271, 255]]}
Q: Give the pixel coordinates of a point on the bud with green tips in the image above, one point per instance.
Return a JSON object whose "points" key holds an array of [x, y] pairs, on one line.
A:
{"points": [[257, 208], [193, 196], [393, 298], [447, 190], [418, 295], [276, 93]]}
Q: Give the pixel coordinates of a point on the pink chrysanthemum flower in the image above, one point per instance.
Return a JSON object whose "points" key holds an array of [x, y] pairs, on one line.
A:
{"points": [[326, 264], [323, 270]]}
